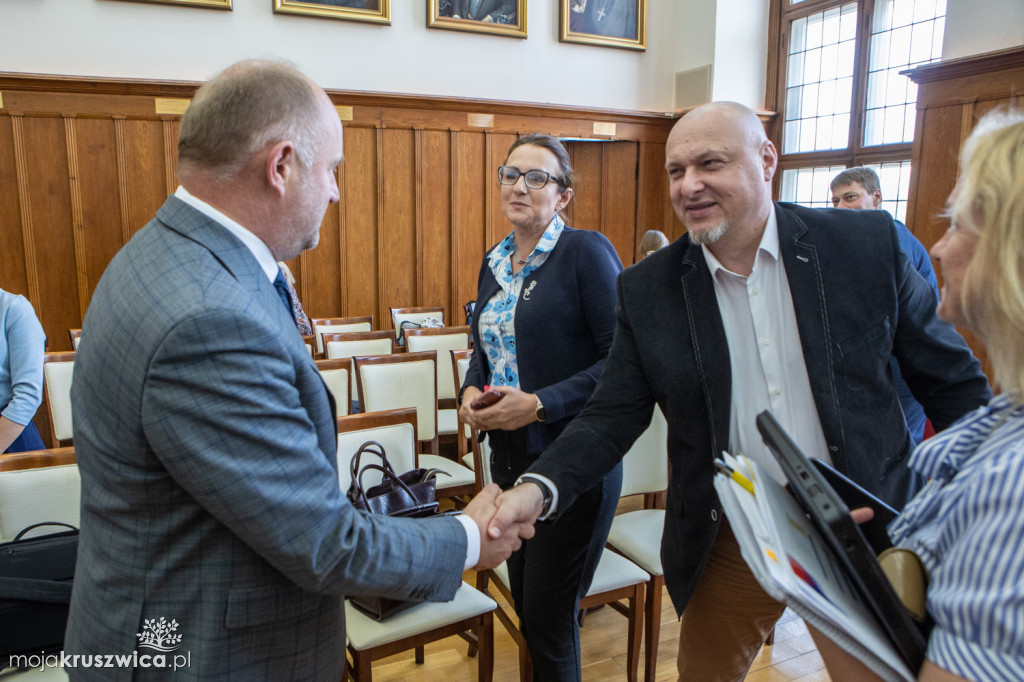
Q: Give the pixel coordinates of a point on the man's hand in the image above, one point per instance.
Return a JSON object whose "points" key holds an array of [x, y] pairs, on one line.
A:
{"points": [[495, 546], [517, 506]]}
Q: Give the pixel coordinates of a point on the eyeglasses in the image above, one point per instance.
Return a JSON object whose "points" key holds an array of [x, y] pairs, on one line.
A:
{"points": [[535, 179]]}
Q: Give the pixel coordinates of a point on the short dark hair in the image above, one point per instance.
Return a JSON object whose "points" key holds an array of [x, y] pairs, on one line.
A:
{"points": [[553, 145], [861, 174], [244, 108]]}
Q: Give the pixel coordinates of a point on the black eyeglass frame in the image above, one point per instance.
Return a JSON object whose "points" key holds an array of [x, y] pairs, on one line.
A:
{"points": [[548, 177]]}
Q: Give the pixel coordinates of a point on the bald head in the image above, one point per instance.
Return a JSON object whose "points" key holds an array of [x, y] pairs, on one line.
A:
{"points": [[720, 165], [244, 109]]}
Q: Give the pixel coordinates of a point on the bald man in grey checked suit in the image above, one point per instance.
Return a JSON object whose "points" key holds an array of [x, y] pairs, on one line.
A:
{"points": [[204, 434]]}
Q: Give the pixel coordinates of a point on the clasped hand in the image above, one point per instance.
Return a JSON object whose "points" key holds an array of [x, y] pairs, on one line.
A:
{"points": [[505, 519], [515, 410]]}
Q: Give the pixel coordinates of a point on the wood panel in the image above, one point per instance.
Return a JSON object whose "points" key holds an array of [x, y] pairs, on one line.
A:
{"points": [[86, 162], [951, 97]]}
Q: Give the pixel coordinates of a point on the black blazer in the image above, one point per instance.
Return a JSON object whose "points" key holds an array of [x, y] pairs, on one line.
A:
{"points": [[858, 300]]}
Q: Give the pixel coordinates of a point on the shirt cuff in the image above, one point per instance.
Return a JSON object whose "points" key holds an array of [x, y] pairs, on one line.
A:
{"points": [[547, 483], [472, 541]]}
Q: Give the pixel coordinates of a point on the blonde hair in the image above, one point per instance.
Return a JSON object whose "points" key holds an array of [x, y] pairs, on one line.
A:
{"points": [[652, 241], [990, 200]]}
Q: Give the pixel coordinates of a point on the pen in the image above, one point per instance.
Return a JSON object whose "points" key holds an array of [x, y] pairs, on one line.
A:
{"points": [[734, 475]]}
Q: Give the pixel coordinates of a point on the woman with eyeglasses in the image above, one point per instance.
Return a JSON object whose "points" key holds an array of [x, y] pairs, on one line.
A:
{"points": [[546, 316]]}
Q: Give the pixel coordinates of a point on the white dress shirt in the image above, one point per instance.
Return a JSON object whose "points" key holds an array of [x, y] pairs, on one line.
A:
{"points": [[261, 252], [766, 358]]}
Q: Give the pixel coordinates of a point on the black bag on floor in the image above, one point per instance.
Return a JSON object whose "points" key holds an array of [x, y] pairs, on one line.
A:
{"points": [[35, 590]]}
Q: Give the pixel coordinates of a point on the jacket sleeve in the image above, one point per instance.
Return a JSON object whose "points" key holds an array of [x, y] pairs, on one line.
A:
{"points": [[222, 411], [596, 269], [25, 346]]}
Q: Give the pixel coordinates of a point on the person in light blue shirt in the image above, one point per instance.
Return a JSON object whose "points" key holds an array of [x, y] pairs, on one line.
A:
{"points": [[21, 373], [858, 189]]}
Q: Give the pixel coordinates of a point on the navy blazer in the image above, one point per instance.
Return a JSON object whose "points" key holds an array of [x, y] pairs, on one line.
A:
{"points": [[207, 448], [857, 299], [565, 321]]}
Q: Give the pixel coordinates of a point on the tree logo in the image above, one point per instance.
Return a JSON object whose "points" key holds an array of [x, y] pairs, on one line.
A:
{"points": [[159, 634]]}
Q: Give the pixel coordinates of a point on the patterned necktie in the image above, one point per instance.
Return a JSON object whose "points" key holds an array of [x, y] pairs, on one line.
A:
{"points": [[291, 301]]}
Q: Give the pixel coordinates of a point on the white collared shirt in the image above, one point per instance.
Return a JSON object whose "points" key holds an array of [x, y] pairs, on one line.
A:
{"points": [[261, 252], [766, 358]]}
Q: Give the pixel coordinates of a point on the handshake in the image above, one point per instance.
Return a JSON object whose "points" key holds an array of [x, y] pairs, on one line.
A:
{"points": [[505, 519]]}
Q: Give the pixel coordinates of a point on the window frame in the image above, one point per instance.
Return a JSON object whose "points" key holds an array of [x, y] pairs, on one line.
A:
{"points": [[781, 14]]}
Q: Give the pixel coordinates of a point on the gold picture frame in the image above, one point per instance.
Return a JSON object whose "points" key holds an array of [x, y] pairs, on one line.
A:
{"points": [[210, 4], [497, 16], [372, 11], [606, 23]]}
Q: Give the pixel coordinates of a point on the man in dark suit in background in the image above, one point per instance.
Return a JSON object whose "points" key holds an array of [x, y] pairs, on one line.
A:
{"points": [[760, 306], [204, 434]]}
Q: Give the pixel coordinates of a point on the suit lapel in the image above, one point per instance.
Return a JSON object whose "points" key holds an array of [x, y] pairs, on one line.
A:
{"points": [[710, 346], [806, 285]]}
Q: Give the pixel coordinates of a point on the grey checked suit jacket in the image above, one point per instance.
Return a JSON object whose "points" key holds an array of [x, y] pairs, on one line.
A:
{"points": [[206, 443]]}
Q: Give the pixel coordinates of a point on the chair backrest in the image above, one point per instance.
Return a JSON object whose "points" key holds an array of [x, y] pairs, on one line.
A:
{"points": [[460, 367], [388, 382], [351, 344], [57, 370], [443, 340], [310, 342], [76, 337], [394, 429], [400, 315], [333, 325], [49, 491], [645, 466], [337, 374]]}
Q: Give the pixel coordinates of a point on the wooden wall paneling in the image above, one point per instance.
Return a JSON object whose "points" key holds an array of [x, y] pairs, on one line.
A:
{"points": [[318, 270], [498, 225], [397, 225], [170, 134], [360, 266], [472, 172], [50, 246], [934, 170], [434, 233], [619, 196], [13, 276], [123, 195], [98, 183], [584, 211], [146, 181], [77, 218]]}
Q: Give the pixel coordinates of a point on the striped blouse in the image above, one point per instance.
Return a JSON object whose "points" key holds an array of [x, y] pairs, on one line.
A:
{"points": [[967, 525]]}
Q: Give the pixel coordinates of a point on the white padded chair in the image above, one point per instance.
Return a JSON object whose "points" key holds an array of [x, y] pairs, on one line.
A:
{"points": [[350, 344], [443, 340], [417, 315], [470, 611], [335, 325], [36, 487], [337, 375], [76, 337], [387, 382], [637, 534], [57, 370]]}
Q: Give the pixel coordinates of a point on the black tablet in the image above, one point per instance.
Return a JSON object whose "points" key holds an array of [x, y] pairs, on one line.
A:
{"points": [[831, 516]]}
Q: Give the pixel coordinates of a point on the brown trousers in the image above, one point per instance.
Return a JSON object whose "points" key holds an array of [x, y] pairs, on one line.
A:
{"points": [[727, 619]]}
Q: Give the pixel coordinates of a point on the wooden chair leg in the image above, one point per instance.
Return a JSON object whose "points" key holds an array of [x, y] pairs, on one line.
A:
{"points": [[485, 637], [636, 615], [362, 666], [652, 626]]}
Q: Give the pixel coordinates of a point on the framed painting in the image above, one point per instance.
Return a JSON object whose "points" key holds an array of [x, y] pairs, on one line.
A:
{"points": [[373, 11], [608, 23], [497, 17], [212, 4]]}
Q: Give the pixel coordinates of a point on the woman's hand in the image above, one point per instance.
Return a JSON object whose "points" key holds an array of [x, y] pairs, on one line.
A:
{"points": [[515, 410]]}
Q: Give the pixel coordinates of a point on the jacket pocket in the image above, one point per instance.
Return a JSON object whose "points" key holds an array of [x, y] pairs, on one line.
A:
{"points": [[864, 357]]}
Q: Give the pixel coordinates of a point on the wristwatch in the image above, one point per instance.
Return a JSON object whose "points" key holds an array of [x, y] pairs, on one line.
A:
{"points": [[545, 491], [542, 416]]}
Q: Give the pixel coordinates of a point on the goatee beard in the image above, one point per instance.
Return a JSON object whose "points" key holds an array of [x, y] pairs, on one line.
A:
{"points": [[709, 236]]}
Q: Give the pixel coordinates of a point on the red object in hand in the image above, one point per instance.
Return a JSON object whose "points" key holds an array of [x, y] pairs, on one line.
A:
{"points": [[486, 399]]}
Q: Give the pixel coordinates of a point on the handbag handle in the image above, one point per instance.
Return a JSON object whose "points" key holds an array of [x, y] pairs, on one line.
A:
{"points": [[373, 447], [38, 525], [388, 473]]}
